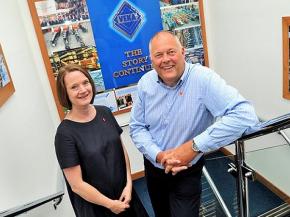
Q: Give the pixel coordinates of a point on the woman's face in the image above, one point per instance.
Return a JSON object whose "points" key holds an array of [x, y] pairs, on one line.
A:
{"points": [[79, 88]]}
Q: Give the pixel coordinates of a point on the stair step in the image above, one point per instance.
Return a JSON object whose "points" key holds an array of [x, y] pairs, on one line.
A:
{"points": [[280, 211]]}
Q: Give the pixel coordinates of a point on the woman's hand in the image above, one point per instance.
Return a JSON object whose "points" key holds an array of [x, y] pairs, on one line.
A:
{"points": [[118, 206], [126, 194]]}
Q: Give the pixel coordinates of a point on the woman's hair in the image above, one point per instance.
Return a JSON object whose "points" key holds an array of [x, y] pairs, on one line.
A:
{"points": [[61, 88]]}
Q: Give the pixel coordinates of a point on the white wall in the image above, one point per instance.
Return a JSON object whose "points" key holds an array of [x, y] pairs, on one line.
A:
{"points": [[29, 118], [135, 156], [245, 47], [33, 94]]}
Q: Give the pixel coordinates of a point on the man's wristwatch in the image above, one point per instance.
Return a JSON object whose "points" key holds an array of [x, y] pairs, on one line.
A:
{"points": [[195, 148]]}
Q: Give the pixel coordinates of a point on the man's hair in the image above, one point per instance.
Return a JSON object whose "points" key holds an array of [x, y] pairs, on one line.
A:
{"points": [[161, 33], [61, 88]]}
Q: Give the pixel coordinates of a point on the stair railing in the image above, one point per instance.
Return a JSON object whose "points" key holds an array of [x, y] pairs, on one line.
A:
{"points": [[241, 170]]}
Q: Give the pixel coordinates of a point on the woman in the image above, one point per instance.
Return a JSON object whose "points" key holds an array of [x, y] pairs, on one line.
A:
{"points": [[90, 152]]}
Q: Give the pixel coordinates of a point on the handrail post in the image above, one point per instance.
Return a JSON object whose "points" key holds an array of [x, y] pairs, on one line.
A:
{"points": [[216, 192], [283, 134], [242, 181], [241, 170]]}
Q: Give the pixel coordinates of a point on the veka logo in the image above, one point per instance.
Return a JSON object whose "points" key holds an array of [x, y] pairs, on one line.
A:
{"points": [[128, 20]]}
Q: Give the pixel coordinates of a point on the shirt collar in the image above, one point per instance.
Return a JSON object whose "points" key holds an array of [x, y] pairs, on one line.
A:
{"points": [[181, 80]]}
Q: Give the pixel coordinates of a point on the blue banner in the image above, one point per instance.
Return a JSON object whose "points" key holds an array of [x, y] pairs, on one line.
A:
{"points": [[122, 30]]}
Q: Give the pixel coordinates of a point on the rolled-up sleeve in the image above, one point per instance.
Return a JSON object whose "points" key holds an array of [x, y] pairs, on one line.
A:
{"points": [[234, 115]]}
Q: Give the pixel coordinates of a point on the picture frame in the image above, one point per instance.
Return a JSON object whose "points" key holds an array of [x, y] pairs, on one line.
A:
{"points": [[54, 47], [54, 24], [185, 18], [286, 56], [126, 97], [6, 83], [107, 99]]}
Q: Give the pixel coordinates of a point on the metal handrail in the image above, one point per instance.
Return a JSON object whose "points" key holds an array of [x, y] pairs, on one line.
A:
{"points": [[216, 192], [266, 127], [284, 135]]}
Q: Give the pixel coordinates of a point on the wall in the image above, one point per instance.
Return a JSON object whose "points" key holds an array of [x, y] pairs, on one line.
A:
{"points": [[34, 96], [29, 118], [245, 47]]}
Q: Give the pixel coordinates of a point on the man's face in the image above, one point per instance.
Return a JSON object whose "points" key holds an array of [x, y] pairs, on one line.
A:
{"points": [[167, 57]]}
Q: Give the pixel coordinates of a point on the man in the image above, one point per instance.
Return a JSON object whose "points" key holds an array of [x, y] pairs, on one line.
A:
{"points": [[182, 111]]}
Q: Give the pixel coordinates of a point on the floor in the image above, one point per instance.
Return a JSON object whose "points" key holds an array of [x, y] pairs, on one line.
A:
{"points": [[261, 199]]}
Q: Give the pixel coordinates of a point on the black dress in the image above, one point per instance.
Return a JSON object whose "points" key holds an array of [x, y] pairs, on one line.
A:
{"points": [[97, 148]]}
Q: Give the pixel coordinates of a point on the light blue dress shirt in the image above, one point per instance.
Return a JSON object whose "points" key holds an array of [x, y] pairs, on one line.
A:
{"points": [[201, 106]]}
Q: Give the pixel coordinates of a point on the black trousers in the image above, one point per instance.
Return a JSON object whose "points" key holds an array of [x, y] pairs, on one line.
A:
{"points": [[174, 196]]}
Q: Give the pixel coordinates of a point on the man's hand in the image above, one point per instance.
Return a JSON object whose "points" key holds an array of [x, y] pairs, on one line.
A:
{"points": [[169, 168], [177, 169], [179, 158], [162, 154]]}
